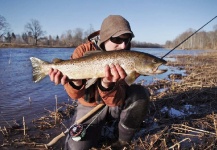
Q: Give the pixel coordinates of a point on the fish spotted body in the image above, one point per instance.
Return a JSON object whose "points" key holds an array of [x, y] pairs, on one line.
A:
{"points": [[91, 66]]}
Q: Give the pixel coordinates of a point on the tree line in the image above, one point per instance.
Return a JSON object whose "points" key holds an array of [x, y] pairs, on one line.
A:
{"points": [[201, 40], [34, 35]]}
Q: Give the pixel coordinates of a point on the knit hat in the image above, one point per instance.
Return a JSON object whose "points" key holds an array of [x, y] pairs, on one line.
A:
{"points": [[113, 26]]}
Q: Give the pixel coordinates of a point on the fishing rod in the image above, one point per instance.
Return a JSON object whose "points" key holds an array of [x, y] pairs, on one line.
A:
{"points": [[76, 125], [188, 37]]}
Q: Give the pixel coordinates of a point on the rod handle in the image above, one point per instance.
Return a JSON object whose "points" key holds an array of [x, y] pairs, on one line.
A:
{"points": [[54, 140], [86, 116]]}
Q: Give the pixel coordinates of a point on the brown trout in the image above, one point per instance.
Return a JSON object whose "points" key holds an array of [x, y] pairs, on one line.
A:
{"points": [[92, 64]]}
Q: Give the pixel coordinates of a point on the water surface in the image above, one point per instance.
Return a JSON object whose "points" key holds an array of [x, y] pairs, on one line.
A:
{"points": [[20, 96]]}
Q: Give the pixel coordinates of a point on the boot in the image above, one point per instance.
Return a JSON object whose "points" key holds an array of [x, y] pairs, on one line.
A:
{"points": [[125, 133], [125, 136]]}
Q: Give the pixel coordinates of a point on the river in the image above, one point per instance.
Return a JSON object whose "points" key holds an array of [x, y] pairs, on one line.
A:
{"points": [[21, 97]]}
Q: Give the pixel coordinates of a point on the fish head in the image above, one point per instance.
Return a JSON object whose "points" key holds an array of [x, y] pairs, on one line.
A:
{"points": [[149, 65]]}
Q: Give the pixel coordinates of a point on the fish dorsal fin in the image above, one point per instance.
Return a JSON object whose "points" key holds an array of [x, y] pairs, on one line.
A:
{"points": [[57, 60], [88, 53]]}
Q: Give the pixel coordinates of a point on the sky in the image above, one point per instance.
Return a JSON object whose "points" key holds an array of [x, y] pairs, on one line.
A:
{"points": [[152, 21]]}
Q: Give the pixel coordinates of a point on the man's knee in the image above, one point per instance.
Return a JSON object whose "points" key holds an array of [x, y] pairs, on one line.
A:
{"points": [[133, 115], [135, 93]]}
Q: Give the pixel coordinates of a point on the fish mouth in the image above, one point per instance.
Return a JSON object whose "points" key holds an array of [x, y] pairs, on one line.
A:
{"points": [[153, 69], [160, 71], [156, 70]]}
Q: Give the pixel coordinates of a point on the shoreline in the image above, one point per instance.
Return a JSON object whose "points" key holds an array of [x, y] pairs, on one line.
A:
{"points": [[14, 45], [197, 89]]}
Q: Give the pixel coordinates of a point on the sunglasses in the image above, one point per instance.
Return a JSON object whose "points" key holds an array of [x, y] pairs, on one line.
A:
{"points": [[118, 40]]}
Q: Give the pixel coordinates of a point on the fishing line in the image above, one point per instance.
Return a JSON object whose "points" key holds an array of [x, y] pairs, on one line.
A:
{"points": [[188, 37]]}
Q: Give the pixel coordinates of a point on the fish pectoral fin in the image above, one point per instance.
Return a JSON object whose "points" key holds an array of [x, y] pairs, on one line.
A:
{"points": [[57, 60], [90, 82], [130, 78]]}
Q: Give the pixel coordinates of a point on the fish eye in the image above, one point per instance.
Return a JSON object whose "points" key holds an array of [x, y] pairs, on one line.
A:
{"points": [[154, 60]]}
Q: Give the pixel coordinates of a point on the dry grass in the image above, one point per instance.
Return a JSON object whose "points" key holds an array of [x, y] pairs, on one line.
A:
{"points": [[195, 130]]}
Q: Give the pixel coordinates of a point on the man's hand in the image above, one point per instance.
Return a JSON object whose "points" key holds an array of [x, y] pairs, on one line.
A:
{"points": [[113, 73], [57, 77]]}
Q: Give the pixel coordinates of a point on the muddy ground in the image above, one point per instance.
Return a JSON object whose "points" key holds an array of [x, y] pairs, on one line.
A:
{"points": [[182, 114]]}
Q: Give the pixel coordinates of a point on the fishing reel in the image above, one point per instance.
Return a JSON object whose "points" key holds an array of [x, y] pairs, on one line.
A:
{"points": [[77, 132]]}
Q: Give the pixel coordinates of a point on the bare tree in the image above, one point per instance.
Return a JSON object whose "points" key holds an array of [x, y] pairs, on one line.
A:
{"points": [[77, 36], [215, 27], [35, 29], [8, 37], [4, 26], [88, 32]]}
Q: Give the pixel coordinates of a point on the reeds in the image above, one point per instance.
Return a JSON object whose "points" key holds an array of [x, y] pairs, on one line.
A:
{"points": [[16, 135]]}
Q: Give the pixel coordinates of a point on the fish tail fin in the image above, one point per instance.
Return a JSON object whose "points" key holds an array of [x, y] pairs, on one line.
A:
{"points": [[38, 72]]}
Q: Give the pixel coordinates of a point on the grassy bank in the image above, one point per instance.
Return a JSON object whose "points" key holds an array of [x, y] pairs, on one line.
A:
{"points": [[189, 120]]}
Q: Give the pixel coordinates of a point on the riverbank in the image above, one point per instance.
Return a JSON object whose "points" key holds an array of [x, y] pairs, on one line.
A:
{"points": [[14, 45], [182, 113]]}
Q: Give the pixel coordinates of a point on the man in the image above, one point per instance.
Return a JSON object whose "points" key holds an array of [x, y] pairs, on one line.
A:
{"points": [[128, 104]]}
